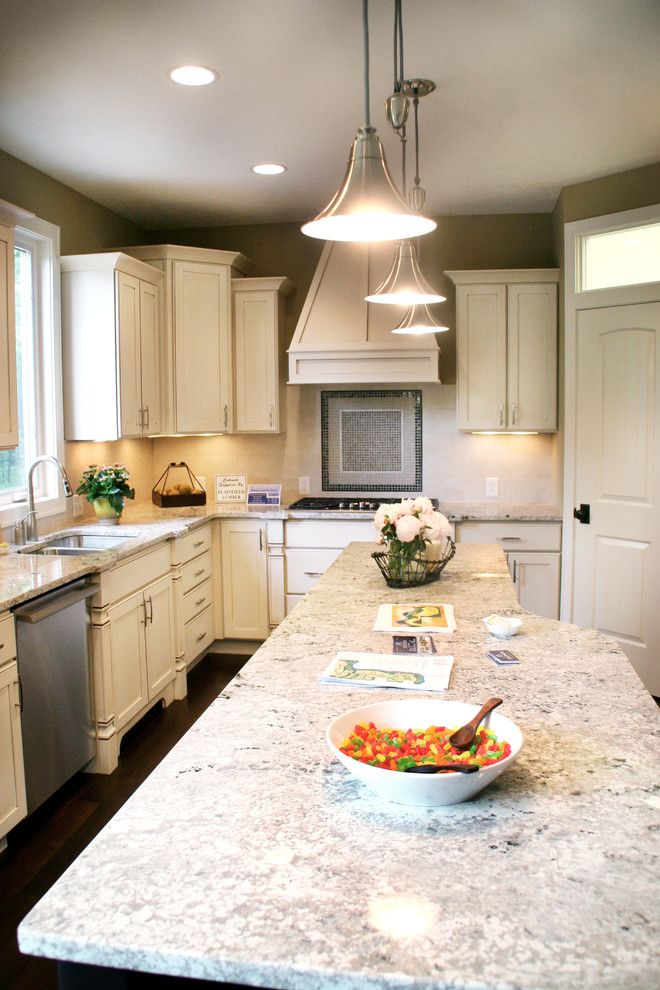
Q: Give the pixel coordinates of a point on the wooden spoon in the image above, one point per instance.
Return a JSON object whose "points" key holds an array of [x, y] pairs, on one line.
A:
{"points": [[438, 767], [464, 737]]}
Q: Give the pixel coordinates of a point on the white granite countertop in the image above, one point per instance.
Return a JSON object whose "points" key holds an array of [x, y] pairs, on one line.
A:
{"points": [[251, 856]]}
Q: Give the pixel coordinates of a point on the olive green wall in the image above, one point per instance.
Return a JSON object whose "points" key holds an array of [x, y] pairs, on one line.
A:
{"points": [[521, 240], [84, 225]]}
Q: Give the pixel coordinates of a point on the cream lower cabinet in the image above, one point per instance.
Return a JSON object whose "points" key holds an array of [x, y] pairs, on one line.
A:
{"points": [[111, 347], [312, 545], [506, 323], [252, 554], [133, 626], [12, 777], [533, 555], [195, 573], [259, 354]]}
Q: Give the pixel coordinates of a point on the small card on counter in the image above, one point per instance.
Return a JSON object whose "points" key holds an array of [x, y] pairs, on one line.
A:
{"points": [[230, 487], [417, 619], [264, 495], [503, 658], [380, 670], [413, 644]]}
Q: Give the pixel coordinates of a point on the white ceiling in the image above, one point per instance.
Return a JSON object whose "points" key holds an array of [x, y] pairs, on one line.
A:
{"points": [[531, 95]]}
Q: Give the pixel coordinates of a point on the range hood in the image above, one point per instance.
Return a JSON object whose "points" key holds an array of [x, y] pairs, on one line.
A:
{"points": [[340, 338]]}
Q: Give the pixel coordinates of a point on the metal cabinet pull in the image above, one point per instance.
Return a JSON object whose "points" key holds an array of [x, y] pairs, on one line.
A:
{"points": [[199, 543], [514, 414], [501, 414], [145, 619], [200, 637], [19, 703], [313, 573], [199, 601], [270, 415], [226, 417], [146, 412], [511, 539], [197, 573], [514, 570], [261, 539], [140, 421], [151, 609]]}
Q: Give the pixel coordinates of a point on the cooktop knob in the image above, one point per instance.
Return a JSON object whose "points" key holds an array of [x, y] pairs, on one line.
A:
{"points": [[343, 505]]}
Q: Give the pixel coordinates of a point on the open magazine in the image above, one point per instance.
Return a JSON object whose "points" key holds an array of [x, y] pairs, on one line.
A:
{"points": [[417, 619], [381, 670]]}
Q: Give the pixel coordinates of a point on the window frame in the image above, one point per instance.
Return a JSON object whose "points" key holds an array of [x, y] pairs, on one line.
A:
{"points": [[43, 239]]}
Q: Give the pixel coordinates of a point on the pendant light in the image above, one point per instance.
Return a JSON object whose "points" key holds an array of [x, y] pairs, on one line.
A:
{"points": [[418, 320], [405, 285], [367, 206]]}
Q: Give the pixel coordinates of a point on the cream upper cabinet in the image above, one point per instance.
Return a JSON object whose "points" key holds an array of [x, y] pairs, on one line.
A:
{"points": [[507, 349], [259, 355], [197, 347], [8, 407], [111, 331]]}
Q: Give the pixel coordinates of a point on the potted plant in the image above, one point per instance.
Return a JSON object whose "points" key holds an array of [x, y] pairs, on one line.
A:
{"points": [[406, 529], [106, 487]]}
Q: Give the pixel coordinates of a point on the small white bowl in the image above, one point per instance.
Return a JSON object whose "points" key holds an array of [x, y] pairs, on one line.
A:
{"points": [[424, 790], [503, 626]]}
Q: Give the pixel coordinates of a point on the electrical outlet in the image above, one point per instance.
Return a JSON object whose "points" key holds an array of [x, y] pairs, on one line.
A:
{"points": [[303, 486], [492, 486], [77, 507]]}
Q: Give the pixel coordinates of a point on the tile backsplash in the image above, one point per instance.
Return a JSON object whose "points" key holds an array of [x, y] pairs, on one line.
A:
{"points": [[455, 465]]}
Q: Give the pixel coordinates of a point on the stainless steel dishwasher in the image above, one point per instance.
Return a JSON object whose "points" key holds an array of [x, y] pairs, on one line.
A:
{"points": [[53, 647]]}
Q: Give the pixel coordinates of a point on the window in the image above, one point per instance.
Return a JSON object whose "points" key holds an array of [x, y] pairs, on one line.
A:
{"points": [[629, 256], [36, 273]]}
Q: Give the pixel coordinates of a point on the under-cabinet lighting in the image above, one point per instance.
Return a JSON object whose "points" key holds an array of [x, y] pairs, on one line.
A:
{"points": [[193, 75], [504, 433]]}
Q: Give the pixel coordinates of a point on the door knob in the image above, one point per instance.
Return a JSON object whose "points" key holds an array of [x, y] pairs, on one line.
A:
{"points": [[583, 514]]}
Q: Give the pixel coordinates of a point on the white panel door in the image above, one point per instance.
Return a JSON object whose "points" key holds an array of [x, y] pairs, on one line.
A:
{"points": [[616, 573], [128, 334], [12, 777], [255, 341], [481, 314], [150, 356], [202, 317], [532, 357], [245, 579], [127, 648], [159, 632]]}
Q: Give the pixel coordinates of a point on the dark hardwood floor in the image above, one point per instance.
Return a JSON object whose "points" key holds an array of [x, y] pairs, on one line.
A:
{"points": [[44, 844]]}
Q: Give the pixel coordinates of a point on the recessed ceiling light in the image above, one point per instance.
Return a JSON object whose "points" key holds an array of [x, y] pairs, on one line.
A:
{"points": [[268, 168], [193, 75]]}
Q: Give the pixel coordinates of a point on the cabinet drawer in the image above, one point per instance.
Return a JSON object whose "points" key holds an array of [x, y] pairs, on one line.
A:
{"points": [[197, 600], [328, 533], [193, 544], [7, 639], [305, 567], [512, 536], [137, 572], [196, 571], [199, 633]]}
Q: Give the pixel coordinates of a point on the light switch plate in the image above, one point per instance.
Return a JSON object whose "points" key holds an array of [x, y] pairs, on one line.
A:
{"points": [[77, 507], [303, 485], [492, 486]]}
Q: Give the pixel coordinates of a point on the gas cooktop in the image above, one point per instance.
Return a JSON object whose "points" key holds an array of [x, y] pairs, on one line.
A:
{"points": [[347, 503]]}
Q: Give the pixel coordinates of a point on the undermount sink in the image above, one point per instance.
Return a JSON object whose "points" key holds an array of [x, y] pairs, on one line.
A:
{"points": [[77, 544]]}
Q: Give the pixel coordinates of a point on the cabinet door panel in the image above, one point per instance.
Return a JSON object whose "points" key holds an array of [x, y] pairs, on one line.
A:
{"points": [[159, 635], [536, 580], [532, 362], [255, 336], [202, 307], [127, 648], [128, 334], [481, 316], [150, 356], [12, 778], [244, 579], [8, 407]]}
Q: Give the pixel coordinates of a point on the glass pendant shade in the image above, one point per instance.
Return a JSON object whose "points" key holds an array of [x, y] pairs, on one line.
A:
{"points": [[418, 320], [405, 285], [367, 207]]}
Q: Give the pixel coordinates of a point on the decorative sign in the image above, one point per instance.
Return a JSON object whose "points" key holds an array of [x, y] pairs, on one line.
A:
{"points": [[264, 495], [230, 487]]}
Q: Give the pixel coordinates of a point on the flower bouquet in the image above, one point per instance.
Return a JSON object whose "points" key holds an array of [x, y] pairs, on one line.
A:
{"points": [[407, 529], [106, 487]]}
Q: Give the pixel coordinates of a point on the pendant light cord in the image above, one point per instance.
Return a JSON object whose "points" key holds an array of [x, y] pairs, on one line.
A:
{"points": [[398, 81], [365, 32]]}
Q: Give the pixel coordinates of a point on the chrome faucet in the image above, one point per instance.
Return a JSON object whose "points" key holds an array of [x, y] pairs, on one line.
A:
{"points": [[25, 530]]}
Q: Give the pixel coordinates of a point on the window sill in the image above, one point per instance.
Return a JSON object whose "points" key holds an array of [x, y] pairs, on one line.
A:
{"points": [[11, 513]]}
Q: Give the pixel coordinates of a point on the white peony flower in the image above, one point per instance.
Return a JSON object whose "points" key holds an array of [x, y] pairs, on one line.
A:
{"points": [[408, 527], [437, 526], [386, 513], [406, 506], [423, 505]]}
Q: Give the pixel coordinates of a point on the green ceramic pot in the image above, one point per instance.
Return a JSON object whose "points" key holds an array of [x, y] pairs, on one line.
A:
{"points": [[106, 515]]}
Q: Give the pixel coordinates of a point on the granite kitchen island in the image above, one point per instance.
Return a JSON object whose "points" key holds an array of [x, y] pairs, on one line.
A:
{"points": [[250, 856]]}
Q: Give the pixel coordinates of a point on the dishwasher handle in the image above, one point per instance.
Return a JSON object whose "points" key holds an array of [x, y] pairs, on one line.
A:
{"points": [[49, 604]]}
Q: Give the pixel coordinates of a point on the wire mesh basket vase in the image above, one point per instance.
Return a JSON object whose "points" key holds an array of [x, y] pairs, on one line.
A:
{"points": [[400, 572]]}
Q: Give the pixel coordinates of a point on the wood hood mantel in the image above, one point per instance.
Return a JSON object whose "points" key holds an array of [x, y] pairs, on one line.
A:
{"points": [[340, 338]]}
